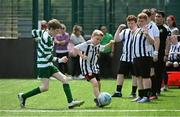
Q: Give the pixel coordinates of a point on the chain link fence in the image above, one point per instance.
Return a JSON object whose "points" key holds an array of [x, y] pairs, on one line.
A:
{"points": [[16, 15]]}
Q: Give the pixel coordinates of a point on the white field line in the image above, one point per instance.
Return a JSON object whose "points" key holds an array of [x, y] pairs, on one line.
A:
{"points": [[84, 111]]}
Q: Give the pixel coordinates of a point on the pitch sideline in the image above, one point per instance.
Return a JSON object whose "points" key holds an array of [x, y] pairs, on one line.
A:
{"points": [[88, 110]]}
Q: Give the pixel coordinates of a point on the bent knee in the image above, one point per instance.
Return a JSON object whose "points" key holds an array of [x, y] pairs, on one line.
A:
{"points": [[43, 89], [64, 80], [175, 64]]}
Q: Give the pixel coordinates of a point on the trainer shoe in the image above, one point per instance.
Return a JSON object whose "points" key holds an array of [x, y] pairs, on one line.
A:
{"points": [[143, 100], [119, 94], [97, 103], [22, 101], [164, 89], [80, 77], [136, 99], [75, 103]]}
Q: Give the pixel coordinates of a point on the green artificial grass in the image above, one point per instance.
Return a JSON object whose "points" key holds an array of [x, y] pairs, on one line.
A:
{"points": [[53, 103]]}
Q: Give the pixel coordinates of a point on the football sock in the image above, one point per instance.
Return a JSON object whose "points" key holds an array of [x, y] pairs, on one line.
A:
{"points": [[67, 91], [153, 87], [147, 92], [31, 93], [165, 78], [141, 93], [134, 88], [118, 88]]}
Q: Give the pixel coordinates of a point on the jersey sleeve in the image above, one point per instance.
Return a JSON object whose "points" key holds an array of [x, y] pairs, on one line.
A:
{"points": [[155, 31], [82, 46], [36, 33], [102, 48], [72, 39], [151, 33], [45, 46]]}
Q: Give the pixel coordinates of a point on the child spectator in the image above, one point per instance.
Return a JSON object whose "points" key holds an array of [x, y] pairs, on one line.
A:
{"points": [[174, 53]]}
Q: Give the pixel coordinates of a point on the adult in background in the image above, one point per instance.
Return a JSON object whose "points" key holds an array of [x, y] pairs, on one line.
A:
{"points": [[173, 30], [171, 22], [75, 39], [160, 65], [105, 60], [61, 41]]}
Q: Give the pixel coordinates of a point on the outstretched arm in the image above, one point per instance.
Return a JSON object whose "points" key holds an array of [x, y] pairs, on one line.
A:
{"points": [[110, 44]]}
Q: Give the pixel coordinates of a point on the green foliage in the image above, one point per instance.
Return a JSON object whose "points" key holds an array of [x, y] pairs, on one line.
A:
{"points": [[53, 103]]}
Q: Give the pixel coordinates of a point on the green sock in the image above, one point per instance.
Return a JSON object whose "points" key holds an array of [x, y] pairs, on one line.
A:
{"points": [[67, 91], [32, 93]]}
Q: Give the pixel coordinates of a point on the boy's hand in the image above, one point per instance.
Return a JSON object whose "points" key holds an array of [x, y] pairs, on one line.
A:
{"points": [[121, 26], [172, 53], [64, 59], [83, 56], [112, 41]]}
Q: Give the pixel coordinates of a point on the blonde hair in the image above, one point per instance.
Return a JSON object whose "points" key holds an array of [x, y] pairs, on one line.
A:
{"points": [[77, 28], [143, 16], [97, 33]]}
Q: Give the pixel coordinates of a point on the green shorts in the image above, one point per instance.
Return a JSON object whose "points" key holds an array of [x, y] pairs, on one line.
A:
{"points": [[47, 72]]}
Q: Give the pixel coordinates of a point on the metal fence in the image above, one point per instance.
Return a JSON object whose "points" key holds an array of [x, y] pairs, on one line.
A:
{"points": [[16, 15]]}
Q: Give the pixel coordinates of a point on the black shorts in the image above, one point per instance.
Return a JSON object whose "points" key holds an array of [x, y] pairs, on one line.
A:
{"points": [[89, 77], [142, 66], [126, 68]]}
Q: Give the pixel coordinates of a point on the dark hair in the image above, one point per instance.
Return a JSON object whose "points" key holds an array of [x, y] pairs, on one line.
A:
{"points": [[131, 18], [161, 13], [147, 11], [100, 26]]}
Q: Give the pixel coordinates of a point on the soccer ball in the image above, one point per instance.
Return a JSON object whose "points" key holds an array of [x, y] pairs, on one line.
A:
{"points": [[104, 98]]}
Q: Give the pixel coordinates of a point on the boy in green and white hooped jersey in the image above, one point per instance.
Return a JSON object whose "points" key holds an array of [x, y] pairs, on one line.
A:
{"points": [[45, 66]]}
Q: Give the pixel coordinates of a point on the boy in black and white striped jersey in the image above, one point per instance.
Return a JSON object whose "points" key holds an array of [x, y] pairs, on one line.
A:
{"points": [[174, 53], [126, 58], [89, 52], [143, 41]]}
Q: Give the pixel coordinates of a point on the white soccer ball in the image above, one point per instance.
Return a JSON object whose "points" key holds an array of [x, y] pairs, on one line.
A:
{"points": [[104, 98]]}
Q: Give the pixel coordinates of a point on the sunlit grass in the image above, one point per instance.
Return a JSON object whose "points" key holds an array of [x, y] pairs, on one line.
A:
{"points": [[54, 100]]}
